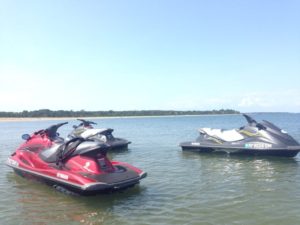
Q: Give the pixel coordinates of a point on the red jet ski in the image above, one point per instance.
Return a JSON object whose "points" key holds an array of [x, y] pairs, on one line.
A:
{"points": [[78, 165]]}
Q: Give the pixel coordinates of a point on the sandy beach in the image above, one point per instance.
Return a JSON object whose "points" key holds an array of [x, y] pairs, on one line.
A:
{"points": [[26, 119], [21, 119]]}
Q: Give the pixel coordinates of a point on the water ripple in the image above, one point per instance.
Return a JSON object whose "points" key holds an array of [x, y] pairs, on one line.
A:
{"points": [[181, 187]]}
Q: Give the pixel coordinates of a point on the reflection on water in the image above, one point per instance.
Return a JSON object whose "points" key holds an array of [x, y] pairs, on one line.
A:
{"points": [[37, 203], [181, 187]]}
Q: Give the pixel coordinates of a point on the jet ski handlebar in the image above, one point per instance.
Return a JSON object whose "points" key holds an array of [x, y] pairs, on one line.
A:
{"points": [[86, 123], [64, 151], [252, 122], [249, 119], [52, 130]]}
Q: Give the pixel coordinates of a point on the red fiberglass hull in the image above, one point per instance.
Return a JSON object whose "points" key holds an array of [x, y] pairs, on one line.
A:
{"points": [[82, 174]]}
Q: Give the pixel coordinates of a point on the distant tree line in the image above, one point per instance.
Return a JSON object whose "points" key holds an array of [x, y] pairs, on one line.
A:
{"points": [[111, 113]]}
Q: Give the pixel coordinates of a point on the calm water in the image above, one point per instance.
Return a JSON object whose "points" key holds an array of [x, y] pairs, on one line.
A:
{"points": [[181, 187]]}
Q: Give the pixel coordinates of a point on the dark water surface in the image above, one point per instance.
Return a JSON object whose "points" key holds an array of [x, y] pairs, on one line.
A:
{"points": [[181, 187]]}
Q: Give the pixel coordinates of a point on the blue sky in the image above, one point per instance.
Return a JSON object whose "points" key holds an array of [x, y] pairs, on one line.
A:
{"points": [[158, 54]]}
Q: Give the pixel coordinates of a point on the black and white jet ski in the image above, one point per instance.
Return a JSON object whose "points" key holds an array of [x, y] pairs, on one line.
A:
{"points": [[255, 138], [86, 130]]}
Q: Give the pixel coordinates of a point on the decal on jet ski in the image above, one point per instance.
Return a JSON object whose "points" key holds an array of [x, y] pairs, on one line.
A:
{"points": [[258, 145], [63, 176], [12, 162], [86, 166], [195, 143]]}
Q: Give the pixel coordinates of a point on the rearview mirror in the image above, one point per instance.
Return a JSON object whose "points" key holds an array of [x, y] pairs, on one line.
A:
{"points": [[26, 137]]}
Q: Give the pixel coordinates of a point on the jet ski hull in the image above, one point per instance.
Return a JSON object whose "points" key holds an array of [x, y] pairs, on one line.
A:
{"points": [[118, 144], [282, 152], [105, 184], [262, 139]]}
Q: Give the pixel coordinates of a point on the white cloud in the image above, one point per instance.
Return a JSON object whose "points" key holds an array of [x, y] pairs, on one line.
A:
{"points": [[281, 100], [250, 101], [24, 89], [30, 89], [199, 103]]}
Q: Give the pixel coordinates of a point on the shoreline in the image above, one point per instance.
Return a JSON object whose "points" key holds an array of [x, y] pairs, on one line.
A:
{"points": [[29, 119]]}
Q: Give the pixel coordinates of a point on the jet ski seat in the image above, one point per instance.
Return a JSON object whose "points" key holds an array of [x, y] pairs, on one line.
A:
{"points": [[225, 135], [92, 132], [51, 155]]}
